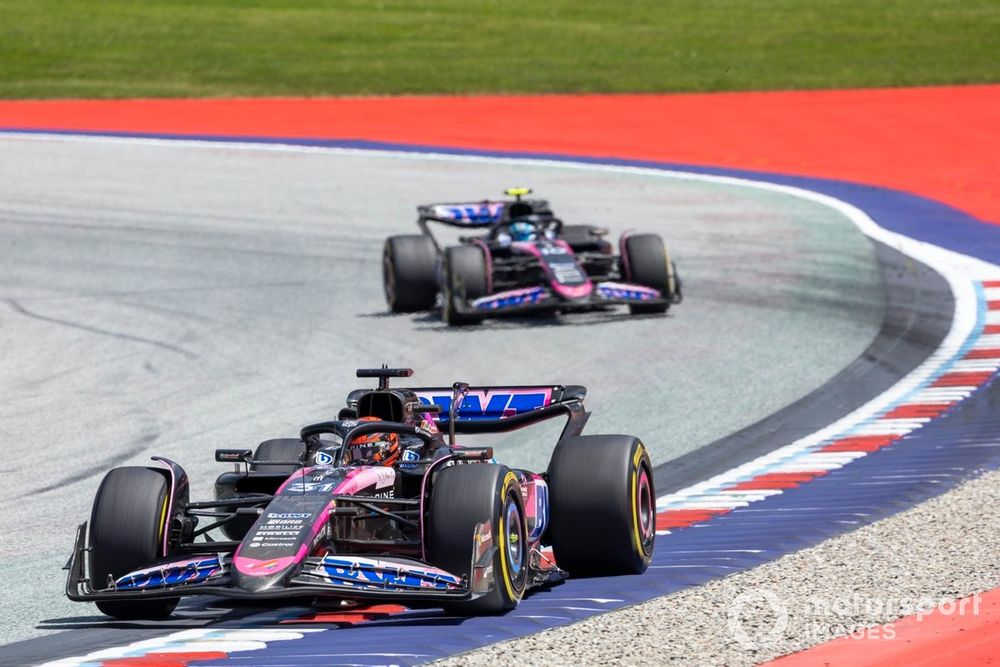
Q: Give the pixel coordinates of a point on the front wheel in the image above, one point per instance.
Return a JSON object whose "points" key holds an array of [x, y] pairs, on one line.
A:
{"points": [[462, 497], [127, 525], [465, 279], [603, 505], [645, 261]]}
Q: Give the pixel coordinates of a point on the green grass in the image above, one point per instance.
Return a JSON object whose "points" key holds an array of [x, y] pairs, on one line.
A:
{"points": [[170, 48]]}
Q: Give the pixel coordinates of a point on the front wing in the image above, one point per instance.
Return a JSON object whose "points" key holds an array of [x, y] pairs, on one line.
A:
{"points": [[340, 576], [542, 298]]}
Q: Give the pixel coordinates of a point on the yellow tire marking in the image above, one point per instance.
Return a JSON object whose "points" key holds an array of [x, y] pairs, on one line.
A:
{"points": [[508, 480], [163, 520], [634, 487]]}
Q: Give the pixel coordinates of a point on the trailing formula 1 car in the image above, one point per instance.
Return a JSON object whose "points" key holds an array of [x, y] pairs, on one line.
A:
{"points": [[523, 260], [378, 504]]}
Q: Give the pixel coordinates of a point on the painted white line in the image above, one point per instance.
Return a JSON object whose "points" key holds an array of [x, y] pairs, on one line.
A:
{"points": [[973, 365], [890, 426], [989, 341], [713, 503], [940, 395]]}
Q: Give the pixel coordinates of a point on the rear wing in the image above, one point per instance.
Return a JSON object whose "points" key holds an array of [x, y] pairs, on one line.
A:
{"points": [[476, 214], [497, 409], [464, 214], [501, 409]]}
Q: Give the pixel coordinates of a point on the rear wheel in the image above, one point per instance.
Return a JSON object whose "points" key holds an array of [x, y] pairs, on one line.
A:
{"points": [[603, 505], [462, 497], [465, 279], [647, 263], [409, 273], [127, 525]]}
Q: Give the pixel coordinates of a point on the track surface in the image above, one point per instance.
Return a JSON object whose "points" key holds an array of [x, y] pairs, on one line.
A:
{"points": [[171, 299]]}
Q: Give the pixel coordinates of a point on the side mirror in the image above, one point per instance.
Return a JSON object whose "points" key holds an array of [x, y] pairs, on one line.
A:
{"points": [[233, 455], [473, 454]]}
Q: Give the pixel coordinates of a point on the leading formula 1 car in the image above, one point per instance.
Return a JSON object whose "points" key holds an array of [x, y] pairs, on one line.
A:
{"points": [[526, 260], [377, 505]]}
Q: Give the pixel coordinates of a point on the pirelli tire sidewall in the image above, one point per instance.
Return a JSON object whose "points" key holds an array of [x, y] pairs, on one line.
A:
{"points": [[648, 263], [409, 273], [463, 496], [603, 505], [464, 277], [125, 533]]}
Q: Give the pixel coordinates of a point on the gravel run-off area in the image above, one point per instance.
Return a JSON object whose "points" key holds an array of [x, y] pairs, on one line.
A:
{"points": [[940, 550]]}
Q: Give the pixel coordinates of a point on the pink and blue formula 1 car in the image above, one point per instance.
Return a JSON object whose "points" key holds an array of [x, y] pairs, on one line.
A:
{"points": [[524, 260], [377, 505]]}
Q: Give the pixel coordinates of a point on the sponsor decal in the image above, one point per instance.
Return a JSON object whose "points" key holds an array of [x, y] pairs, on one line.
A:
{"points": [[311, 487], [541, 509], [386, 575], [627, 292], [492, 404], [479, 213], [514, 298], [409, 455], [183, 572], [384, 477], [548, 249], [324, 458], [279, 530], [567, 274], [562, 264]]}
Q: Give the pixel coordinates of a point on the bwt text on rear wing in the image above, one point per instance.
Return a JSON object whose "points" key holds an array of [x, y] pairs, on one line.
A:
{"points": [[463, 214]]}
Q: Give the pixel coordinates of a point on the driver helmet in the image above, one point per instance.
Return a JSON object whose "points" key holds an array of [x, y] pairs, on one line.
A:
{"points": [[372, 449], [522, 230]]}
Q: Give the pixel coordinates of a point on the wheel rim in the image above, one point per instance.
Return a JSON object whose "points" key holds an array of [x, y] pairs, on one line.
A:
{"points": [[514, 540], [646, 515]]}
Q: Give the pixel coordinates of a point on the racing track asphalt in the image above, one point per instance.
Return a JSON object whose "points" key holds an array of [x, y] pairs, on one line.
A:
{"points": [[170, 299]]}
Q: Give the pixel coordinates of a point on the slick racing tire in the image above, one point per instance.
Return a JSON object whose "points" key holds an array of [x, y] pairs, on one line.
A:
{"points": [[603, 505], [409, 273], [126, 534], [464, 271], [646, 262], [281, 449], [466, 495]]}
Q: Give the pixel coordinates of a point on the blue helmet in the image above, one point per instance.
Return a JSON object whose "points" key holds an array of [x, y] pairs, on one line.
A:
{"points": [[522, 231]]}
